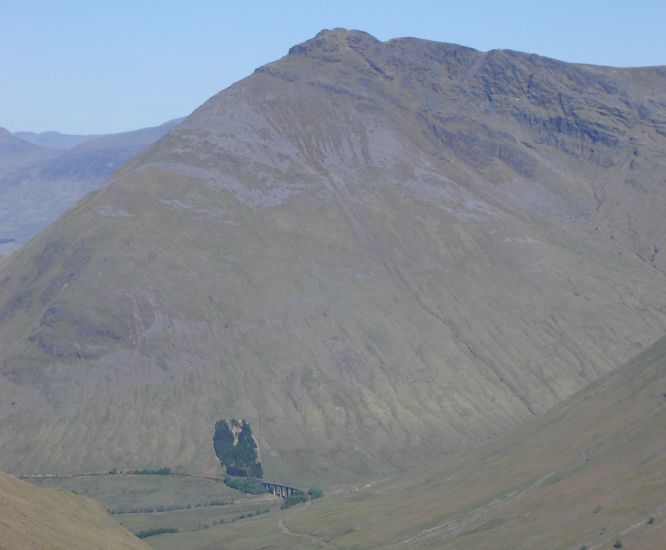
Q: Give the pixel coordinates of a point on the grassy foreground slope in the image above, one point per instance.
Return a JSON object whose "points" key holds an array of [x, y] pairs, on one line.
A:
{"points": [[33, 518], [590, 472]]}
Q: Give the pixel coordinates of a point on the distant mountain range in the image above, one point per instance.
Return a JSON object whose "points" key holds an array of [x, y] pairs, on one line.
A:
{"points": [[54, 140], [41, 175], [377, 253]]}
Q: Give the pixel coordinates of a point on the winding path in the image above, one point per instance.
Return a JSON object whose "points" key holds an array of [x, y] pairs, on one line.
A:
{"points": [[312, 538]]}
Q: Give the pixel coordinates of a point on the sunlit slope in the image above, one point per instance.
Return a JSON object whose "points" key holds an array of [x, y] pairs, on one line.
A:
{"points": [[32, 518], [330, 250], [589, 472]]}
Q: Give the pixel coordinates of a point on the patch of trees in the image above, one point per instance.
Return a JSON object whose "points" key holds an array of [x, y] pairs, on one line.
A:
{"points": [[236, 448], [246, 485], [149, 472], [141, 472], [251, 514], [153, 532], [174, 508]]}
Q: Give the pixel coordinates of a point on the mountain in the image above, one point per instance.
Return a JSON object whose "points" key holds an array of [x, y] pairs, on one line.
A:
{"points": [[54, 140], [37, 184], [376, 253], [16, 153], [588, 473], [55, 519]]}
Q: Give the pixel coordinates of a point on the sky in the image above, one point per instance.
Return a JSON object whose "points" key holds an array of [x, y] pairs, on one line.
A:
{"points": [[110, 66]]}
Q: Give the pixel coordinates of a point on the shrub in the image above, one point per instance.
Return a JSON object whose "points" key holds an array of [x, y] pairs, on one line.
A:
{"points": [[149, 472], [153, 532], [315, 492], [293, 500], [246, 485]]}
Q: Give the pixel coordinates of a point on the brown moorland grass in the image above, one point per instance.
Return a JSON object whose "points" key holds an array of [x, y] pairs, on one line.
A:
{"points": [[34, 518]]}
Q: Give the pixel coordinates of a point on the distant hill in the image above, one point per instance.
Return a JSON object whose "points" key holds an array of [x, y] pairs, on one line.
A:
{"points": [[16, 153], [584, 475], [39, 182], [54, 519], [377, 253], [54, 140]]}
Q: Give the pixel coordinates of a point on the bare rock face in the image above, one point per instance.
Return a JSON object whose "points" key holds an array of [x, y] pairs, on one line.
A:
{"points": [[375, 252]]}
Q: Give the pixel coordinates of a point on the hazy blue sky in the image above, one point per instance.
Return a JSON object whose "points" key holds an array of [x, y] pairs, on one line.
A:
{"points": [[88, 67]]}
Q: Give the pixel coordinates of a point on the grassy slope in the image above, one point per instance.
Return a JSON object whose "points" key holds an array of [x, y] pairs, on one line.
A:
{"points": [[580, 474], [33, 518], [589, 472]]}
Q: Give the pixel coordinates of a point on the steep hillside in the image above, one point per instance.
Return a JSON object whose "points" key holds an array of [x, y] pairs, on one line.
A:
{"points": [[37, 184], [376, 253], [54, 519], [588, 473]]}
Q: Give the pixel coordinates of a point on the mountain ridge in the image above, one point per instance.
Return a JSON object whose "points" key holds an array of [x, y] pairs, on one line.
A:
{"points": [[54, 139]]}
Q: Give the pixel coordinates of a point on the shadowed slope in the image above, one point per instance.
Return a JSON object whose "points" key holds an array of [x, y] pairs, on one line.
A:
{"points": [[55, 519], [374, 252]]}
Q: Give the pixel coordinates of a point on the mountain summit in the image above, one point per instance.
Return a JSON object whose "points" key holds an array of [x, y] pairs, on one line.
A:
{"points": [[375, 252]]}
